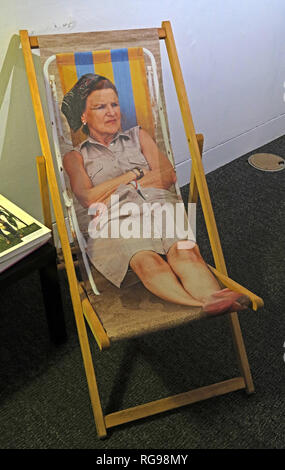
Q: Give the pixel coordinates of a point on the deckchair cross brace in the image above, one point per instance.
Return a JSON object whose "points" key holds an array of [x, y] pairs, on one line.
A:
{"points": [[82, 307]]}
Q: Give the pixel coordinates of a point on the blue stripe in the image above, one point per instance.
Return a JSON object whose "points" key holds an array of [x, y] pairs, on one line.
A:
{"points": [[84, 63], [123, 82]]}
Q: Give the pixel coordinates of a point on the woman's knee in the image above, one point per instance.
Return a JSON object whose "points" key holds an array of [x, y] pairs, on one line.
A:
{"points": [[181, 252], [146, 263]]}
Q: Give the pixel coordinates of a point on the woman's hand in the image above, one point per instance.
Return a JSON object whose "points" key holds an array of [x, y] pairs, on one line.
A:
{"points": [[159, 178]]}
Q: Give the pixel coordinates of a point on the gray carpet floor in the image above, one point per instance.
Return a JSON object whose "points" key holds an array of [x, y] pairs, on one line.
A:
{"points": [[44, 401]]}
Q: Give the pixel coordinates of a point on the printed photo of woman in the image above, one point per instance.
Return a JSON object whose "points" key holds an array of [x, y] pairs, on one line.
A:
{"points": [[129, 164]]}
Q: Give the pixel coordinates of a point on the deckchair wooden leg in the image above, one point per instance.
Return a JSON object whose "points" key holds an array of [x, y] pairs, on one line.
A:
{"points": [[89, 368], [193, 190], [91, 378], [43, 183], [203, 190], [55, 196], [241, 353]]}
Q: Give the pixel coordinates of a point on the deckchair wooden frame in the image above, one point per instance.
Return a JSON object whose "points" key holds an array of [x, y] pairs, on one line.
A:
{"points": [[81, 305]]}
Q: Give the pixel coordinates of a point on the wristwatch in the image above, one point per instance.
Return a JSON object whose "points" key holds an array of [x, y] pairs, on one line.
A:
{"points": [[138, 172]]}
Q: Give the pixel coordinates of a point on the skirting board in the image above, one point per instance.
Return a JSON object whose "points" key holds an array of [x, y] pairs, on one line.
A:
{"points": [[226, 152]]}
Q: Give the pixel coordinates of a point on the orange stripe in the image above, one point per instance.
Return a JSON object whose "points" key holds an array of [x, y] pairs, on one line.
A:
{"points": [[103, 64], [67, 71]]}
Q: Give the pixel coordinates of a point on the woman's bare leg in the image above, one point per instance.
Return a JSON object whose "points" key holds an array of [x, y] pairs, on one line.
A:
{"points": [[199, 282], [158, 277], [192, 271]]}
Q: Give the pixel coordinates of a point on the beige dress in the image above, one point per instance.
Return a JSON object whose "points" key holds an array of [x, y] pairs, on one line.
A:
{"points": [[151, 219]]}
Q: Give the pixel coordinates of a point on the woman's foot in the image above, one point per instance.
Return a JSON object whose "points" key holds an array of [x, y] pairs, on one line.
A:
{"points": [[226, 301]]}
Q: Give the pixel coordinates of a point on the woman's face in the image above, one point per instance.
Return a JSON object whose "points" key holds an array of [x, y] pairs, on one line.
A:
{"points": [[102, 113]]}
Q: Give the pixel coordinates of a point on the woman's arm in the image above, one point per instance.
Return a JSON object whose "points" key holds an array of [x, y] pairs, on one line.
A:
{"points": [[162, 174], [82, 186]]}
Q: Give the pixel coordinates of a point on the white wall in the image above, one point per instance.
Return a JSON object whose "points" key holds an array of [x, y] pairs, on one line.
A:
{"points": [[232, 56]]}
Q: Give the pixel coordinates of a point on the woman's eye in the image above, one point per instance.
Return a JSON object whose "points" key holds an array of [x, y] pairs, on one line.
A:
{"points": [[103, 106]]}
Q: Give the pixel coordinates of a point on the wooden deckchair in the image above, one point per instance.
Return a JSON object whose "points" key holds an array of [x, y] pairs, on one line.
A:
{"points": [[87, 306]]}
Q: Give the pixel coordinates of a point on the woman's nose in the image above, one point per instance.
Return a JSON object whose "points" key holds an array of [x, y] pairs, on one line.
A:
{"points": [[110, 110]]}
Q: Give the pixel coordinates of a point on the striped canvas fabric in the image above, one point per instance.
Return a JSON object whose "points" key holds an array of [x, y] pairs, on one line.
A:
{"points": [[125, 68]]}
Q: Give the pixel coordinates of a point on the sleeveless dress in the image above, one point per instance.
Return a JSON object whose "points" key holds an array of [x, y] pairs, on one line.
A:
{"points": [[151, 219]]}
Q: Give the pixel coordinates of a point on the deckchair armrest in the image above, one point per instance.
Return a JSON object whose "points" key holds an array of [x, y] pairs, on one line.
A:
{"points": [[257, 302]]}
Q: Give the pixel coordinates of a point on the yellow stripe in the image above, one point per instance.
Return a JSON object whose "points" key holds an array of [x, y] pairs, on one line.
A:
{"points": [[140, 89], [103, 64], [67, 71]]}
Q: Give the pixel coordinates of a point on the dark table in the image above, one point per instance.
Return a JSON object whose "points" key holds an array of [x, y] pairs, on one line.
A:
{"points": [[44, 260]]}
